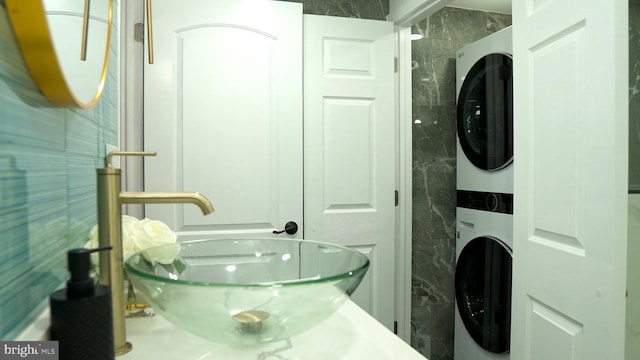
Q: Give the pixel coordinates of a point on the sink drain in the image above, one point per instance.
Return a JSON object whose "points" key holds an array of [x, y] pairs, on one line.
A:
{"points": [[250, 322]]}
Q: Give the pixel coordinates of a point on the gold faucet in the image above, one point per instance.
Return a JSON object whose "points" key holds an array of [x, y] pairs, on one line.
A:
{"points": [[110, 200]]}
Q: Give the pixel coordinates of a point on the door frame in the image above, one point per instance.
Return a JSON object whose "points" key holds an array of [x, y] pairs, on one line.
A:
{"points": [[404, 176], [132, 134], [132, 102]]}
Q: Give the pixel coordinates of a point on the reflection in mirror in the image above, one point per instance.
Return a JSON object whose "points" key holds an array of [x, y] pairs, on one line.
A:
{"points": [[65, 44]]}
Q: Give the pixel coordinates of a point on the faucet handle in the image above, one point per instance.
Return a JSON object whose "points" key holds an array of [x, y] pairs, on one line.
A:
{"points": [[128, 153]]}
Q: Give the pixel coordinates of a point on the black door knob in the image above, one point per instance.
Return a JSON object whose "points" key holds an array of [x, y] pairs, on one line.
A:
{"points": [[290, 228]]}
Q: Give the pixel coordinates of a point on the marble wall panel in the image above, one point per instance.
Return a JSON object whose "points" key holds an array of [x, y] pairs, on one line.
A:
{"points": [[634, 94], [434, 171], [364, 9]]}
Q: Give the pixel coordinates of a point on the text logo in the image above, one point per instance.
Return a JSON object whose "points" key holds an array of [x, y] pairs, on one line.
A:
{"points": [[32, 350]]}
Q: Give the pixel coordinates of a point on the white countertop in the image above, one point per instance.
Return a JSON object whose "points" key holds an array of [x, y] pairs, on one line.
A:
{"points": [[350, 333]]}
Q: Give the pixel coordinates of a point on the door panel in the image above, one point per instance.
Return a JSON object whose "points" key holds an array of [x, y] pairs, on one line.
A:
{"points": [[223, 108], [226, 121], [349, 147], [570, 181]]}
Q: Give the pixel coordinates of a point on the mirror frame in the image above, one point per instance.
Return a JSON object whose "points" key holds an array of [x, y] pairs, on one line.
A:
{"points": [[31, 29]]}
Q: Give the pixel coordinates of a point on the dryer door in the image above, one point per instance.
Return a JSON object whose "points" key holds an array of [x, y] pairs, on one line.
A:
{"points": [[483, 292], [485, 113]]}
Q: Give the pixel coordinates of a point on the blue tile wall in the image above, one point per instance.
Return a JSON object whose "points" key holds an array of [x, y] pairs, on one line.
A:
{"points": [[48, 158]]}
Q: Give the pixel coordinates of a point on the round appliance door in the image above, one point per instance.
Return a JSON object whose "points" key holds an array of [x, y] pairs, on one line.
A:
{"points": [[485, 113], [483, 292]]}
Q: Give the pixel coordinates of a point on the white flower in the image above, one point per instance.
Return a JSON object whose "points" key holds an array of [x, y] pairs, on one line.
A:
{"points": [[139, 235], [130, 227], [152, 233]]}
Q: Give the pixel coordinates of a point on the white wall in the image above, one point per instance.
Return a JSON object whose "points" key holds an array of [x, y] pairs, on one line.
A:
{"points": [[407, 12], [498, 6]]}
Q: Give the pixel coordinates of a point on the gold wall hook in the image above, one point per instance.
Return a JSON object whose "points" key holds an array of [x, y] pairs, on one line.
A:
{"points": [[149, 32], [85, 30]]}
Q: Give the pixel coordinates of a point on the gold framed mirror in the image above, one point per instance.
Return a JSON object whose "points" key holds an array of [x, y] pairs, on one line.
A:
{"points": [[65, 44]]}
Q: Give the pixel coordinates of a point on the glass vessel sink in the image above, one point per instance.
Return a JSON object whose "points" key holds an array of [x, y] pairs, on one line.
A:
{"points": [[246, 291]]}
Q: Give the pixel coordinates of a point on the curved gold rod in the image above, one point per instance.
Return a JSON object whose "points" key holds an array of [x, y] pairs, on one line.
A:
{"points": [[149, 32], [31, 29], [85, 30]]}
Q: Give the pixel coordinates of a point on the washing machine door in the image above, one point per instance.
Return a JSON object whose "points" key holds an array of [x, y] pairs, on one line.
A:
{"points": [[483, 292], [485, 113]]}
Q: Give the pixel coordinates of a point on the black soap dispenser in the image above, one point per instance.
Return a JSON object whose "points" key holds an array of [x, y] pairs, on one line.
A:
{"points": [[81, 314]]}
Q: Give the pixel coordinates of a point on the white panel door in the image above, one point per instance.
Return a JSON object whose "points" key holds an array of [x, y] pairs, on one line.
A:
{"points": [[349, 147], [223, 109], [570, 213]]}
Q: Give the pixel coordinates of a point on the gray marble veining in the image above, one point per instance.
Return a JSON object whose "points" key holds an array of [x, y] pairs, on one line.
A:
{"points": [[434, 171], [634, 94], [364, 9]]}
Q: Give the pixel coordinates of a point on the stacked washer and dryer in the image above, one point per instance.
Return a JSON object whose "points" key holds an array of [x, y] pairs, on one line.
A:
{"points": [[484, 211]]}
